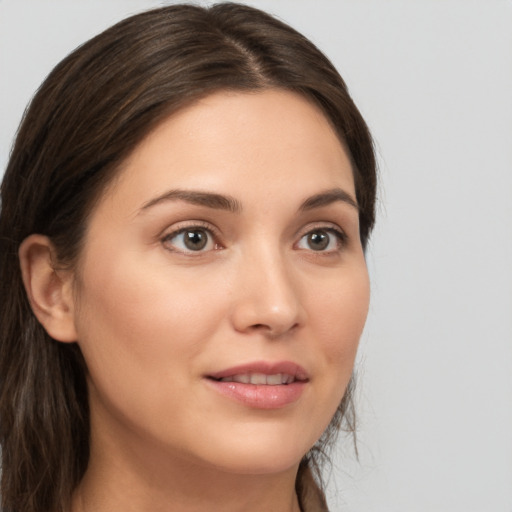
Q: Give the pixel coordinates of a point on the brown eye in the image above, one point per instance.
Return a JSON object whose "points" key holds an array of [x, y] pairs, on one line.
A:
{"points": [[318, 241], [322, 240], [195, 240], [192, 239]]}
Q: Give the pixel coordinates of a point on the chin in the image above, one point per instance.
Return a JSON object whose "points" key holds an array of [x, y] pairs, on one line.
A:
{"points": [[260, 464], [261, 453]]}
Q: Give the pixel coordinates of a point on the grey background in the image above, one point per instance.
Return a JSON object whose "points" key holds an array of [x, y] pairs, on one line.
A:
{"points": [[434, 80]]}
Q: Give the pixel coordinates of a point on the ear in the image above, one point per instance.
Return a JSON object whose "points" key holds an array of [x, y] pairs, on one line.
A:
{"points": [[49, 290]]}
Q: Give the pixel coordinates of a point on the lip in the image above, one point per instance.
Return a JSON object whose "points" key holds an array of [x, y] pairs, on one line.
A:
{"points": [[261, 396], [265, 367]]}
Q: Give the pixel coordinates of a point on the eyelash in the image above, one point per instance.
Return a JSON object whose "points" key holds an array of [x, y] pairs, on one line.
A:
{"points": [[340, 235], [196, 226]]}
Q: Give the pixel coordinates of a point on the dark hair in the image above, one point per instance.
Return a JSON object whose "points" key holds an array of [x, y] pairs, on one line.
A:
{"points": [[86, 118]]}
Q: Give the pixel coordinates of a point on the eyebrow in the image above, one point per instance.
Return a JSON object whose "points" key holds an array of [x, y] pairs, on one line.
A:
{"points": [[208, 199], [228, 203], [328, 197]]}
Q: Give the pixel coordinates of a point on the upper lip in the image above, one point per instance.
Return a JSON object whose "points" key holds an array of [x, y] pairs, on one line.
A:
{"points": [[264, 367]]}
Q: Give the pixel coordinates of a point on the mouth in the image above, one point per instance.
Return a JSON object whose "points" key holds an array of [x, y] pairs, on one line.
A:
{"points": [[261, 379], [263, 373], [261, 385]]}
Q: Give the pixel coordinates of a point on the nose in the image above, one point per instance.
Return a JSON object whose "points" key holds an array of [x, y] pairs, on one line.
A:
{"points": [[267, 297]]}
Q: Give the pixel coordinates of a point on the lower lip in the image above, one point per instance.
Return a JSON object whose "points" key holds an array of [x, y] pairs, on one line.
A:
{"points": [[260, 396]]}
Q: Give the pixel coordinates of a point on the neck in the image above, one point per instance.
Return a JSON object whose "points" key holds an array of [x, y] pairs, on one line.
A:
{"points": [[187, 491], [144, 480]]}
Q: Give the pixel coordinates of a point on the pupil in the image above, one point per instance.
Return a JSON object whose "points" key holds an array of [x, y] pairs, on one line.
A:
{"points": [[318, 240], [195, 240]]}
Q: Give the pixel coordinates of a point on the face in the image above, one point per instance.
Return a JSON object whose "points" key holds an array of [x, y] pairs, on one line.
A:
{"points": [[222, 288]]}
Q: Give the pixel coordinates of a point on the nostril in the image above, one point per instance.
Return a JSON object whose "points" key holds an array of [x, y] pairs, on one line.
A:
{"points": [[272, 330], [266, 315]]}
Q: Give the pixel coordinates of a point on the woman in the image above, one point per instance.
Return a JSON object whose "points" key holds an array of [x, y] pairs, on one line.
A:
{"points": [[183, 224]]}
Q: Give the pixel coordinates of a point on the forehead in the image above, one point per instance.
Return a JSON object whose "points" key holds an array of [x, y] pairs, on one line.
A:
{"points": [[234, 142]]}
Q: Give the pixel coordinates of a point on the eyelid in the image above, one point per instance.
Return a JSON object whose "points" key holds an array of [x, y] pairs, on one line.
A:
{"points": [[324, 226], [180, 227], [327, 226]]}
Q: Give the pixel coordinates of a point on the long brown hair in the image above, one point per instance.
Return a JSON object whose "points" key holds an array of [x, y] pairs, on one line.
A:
{"points": [[85, 119]]}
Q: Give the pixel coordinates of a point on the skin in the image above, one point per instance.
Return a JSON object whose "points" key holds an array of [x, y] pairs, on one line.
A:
{"points": [[154, 318]]}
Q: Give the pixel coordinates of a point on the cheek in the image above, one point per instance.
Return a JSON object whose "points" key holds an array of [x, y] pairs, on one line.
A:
{"points": [[143, 321], [340, 313], [336, 316]]}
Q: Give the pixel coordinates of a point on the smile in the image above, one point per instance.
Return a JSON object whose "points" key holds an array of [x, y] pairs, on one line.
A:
{"points": [[277, 379], [261, 385]]}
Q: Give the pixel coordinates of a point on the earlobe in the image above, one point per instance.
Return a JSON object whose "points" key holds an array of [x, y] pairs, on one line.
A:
{"points": [[49, 290]]}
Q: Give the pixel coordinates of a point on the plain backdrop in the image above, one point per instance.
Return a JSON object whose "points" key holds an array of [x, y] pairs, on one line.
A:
{"points": [[433, 78]]}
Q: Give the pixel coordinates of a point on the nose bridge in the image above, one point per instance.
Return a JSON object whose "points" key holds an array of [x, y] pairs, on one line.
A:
{"points": [[268, 296]]}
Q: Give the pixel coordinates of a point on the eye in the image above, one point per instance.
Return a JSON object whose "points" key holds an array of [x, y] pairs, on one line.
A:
{"points": [[190, 239], [322, 240]]}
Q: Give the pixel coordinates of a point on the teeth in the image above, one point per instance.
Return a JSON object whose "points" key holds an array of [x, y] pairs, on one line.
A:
{"points": [[261, 379], [273, 380], [243, 378], [258, 378]]}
